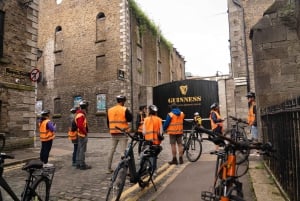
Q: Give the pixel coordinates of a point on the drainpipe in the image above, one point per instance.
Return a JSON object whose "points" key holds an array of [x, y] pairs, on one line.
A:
{"points": [[131, 70], [237, 2]]}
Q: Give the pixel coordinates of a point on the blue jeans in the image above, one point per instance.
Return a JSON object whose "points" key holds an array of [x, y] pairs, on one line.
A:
{"points": [[254, 132], [81, 149]]}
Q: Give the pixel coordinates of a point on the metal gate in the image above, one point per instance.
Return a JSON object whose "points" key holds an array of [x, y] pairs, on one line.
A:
{"points": [[190, 95]]}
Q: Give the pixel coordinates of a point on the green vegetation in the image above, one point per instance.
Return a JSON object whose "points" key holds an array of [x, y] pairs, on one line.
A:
{"points": [[146, 24], [288, 16]]}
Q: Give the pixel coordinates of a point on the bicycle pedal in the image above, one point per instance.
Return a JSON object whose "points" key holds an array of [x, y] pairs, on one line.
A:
{"points": [[208, 196]]}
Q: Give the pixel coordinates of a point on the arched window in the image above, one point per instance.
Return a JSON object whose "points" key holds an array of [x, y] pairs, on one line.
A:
{"points": [[58, 39], [100, 27]]}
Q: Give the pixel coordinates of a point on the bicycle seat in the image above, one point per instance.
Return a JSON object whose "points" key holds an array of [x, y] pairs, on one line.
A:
{"points": [[33, 164]]}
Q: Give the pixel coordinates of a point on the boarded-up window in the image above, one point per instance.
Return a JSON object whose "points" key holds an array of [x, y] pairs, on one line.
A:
{"points": [[100, 62], [100, 28], [101, 102], [57, 106]]}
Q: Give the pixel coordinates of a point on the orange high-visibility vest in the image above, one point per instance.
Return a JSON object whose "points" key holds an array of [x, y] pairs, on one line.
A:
{"points": [[153, 125], [176, 124], [116, 117], [78, 115], [212, 123], [251, 115], [72, 135], [45, 135]]}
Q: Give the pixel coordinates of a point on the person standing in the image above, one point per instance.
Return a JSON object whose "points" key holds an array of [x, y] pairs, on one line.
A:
{"points": [[72, 134], [173, 126], [139, 124], [252, 120], [152, 131], [119, 116], [47, 134], [216, 121], [82, 132]]}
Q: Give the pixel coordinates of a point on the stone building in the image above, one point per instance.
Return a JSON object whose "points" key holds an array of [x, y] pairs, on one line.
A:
{"points": [[18, 57], [96, 50], [242, 15]]}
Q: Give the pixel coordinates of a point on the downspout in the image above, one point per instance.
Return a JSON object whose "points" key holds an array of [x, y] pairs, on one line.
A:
{"points": [[237, 2], [131, 70]]}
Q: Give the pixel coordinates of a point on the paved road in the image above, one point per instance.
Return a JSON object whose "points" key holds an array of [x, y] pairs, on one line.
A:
{"points": [[91, 185]]}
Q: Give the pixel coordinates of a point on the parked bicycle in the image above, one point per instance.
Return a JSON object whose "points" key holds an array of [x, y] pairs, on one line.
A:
{"points": [[38, 182], [226, 185], [192, 146], [238, 133], [143, 176]]}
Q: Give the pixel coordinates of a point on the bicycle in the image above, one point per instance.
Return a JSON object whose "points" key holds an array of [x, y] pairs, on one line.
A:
{"points": [[192, 146], [143, 176], [226, 185], [38, 181]]}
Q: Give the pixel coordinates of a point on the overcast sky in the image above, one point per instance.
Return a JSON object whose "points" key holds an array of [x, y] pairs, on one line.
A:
{"points": [[198, 29]]}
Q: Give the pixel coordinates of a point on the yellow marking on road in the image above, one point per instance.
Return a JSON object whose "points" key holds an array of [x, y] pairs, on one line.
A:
{"points": [[13, 167]]}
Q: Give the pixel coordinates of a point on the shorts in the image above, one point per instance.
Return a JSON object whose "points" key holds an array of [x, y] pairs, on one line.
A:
{"points": [[176, 139]]}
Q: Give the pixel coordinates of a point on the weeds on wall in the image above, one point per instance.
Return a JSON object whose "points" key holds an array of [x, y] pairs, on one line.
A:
{"points": [[146, 24], [288, 15]]}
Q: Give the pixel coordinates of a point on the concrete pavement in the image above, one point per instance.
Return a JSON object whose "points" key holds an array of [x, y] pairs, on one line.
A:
{"points": [[72, 184]]}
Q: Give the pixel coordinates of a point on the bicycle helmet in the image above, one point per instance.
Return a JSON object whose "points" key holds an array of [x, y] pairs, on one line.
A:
{"points": [[73, 110], [214, 106], [45, 112], [153, 109], [142, 107], [250, 95], [121, 99], [196, 114], [83, 104]]}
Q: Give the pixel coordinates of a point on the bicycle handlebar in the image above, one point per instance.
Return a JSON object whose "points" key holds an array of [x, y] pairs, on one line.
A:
{"points": [[239, 120], [241, 145], [133, 137]]}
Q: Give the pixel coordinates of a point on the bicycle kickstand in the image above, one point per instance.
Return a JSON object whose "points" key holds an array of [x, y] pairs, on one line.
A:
{"points": [[153, 184]]}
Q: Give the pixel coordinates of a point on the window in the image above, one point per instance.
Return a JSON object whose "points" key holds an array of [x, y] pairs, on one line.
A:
{"points": [[1, 32], [101, 102], [58, 46], [100, 28], [38, 107], [76, 101]]}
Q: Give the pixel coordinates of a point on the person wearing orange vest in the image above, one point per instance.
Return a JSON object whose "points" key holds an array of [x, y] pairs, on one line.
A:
{"points": [[82, 132], [153, 133], [72, 134], [173, 126], [47, 134], [119, 116], [216, 121], [139, 124], [252, 121]]}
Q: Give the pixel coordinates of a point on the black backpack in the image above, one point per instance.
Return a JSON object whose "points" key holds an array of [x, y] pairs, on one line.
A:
{"points": [[74, 126]]}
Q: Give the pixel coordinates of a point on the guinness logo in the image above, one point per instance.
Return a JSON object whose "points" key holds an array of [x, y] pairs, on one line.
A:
{"points": [[183, 89]]}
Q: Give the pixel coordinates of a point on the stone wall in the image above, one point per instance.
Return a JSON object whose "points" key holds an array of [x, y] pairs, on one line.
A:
{"points": [[17, 91], [276, 51]]}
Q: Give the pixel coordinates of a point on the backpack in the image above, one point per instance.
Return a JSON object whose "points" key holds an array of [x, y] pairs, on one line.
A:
{"points": [[72, 134]]}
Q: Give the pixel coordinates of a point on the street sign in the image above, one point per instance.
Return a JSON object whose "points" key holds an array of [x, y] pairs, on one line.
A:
{"points": [[35, 75]]}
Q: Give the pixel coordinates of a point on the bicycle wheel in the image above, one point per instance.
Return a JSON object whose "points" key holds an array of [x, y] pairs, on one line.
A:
{"points": [[117, 184], [193, 149], [40, 190], [146, 171]]}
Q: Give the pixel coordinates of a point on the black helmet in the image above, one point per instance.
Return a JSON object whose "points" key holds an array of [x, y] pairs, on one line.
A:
{"points": [[214, 105], [83, 104], [73, 109], [45, 112], [142, 107], [196, 114], [250, 95], [121, 99], [153, 109]]}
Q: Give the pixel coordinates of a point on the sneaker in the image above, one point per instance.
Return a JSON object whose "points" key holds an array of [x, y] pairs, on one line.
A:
{"points": [[47, 165], [85, 167], [173, 162], [109, 171], [180, 160]]}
